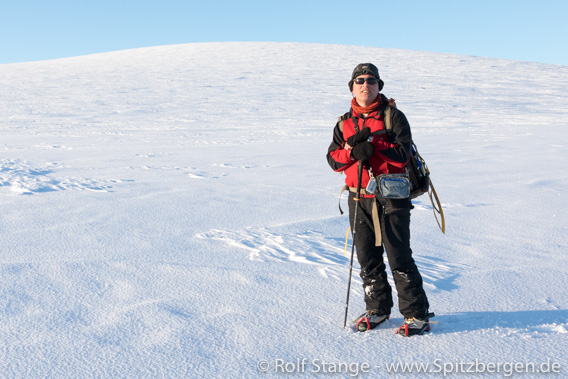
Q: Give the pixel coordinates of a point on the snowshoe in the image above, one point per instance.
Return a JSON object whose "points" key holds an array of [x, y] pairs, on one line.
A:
{"points": [[415, 326], [371, 319]]}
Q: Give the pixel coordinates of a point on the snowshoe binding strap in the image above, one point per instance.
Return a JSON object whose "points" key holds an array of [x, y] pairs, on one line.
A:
{"points": [[414, 326], [370, 320]]}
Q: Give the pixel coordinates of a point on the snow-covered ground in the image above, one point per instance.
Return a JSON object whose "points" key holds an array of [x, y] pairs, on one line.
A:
{"points": [[169, 212]]}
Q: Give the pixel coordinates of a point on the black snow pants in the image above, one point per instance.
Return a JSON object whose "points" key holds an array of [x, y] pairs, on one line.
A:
{"points": [[394, 216]]}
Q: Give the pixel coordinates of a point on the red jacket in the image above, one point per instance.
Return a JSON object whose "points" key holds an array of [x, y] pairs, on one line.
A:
{"points": [[392, 151]]}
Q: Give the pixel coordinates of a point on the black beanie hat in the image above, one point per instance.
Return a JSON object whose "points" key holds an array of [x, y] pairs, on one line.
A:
{"points": [[366, 69]]}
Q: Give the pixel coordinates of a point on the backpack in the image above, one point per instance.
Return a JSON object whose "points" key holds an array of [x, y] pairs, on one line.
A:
{"points": [[417, 170]]}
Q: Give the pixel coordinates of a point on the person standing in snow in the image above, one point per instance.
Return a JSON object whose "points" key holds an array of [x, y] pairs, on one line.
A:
{"points": [[382, 224]]}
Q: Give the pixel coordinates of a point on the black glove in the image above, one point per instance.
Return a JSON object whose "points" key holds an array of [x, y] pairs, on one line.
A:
{"points": [[358, 137], [363, 151]]}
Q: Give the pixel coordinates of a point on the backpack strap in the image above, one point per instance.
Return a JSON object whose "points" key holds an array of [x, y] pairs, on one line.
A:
{"points": [[342, 119], [387, 115], [374, 213], [387, 118]]}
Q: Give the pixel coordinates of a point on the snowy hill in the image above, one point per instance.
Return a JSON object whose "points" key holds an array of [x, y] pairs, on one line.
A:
{"points": [[169, 212]]}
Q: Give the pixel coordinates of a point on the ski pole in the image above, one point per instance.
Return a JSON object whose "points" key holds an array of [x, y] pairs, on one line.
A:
{"points": [[357, 199]]}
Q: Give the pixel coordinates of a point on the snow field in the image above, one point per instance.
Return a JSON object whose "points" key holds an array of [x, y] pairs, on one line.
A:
{"points": [[168, 212]]}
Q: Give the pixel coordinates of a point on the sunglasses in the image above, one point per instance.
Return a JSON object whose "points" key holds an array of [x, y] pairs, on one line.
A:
{"points": [[370, 81]]}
